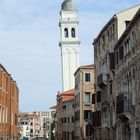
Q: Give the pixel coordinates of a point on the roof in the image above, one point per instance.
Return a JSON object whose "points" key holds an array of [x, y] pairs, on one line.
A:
{"points": [[104, 28], [128, 9], [68, 98], [4, 69], [67, 95], [110, 21], [53, 107], [128, 29], [68, 92], [68, 5], [85, 67]]}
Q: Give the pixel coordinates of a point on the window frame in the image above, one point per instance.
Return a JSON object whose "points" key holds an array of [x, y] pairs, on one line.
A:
{"points": [[87, 77]]}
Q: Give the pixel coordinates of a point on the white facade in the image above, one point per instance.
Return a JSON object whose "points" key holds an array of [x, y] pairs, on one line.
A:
{"points": [[25, 130], [69, 44], [124, 16]]}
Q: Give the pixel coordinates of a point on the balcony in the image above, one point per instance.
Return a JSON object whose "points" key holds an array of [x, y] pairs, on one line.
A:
{"points": [[123, 104], [102, 80]]}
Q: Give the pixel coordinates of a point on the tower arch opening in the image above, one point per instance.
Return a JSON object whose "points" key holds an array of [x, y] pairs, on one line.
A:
{"points": [[66, 33], [73, 34]]}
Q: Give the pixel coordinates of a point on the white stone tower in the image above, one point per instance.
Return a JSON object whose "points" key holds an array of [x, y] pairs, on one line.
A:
{"points": [[69, 43]]}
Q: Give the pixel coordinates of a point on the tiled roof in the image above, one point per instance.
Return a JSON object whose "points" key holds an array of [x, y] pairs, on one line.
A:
{"points": [[67, 95]]}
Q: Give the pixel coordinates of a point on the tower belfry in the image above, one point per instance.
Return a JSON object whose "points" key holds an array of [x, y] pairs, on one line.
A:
{"points": [[69, 43]]}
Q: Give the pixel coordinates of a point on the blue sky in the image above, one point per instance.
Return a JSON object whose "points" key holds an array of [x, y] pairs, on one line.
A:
{"points": [[29, 36]]}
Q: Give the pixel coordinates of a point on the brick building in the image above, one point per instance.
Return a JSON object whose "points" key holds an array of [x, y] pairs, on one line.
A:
{"points": [[9, 102]]}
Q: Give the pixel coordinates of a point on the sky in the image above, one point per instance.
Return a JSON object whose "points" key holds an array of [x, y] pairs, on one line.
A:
{"points": [[29, 36]]}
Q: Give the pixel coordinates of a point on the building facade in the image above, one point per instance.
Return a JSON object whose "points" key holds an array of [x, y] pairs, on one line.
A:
{"points": [[65, 115], [68, 117], [9, 104], [33, 124], [105, 118], [69, 43], [84, 92], [127, 87]]}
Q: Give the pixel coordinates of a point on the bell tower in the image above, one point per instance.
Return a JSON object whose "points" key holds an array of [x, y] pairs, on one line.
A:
{"points": [[69, 43]]}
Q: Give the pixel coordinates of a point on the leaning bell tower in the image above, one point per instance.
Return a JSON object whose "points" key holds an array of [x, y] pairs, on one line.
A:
{"points": [[69, 43]]}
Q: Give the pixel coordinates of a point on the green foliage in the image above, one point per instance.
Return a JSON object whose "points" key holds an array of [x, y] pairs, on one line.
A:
{"points": [[52, 130]]}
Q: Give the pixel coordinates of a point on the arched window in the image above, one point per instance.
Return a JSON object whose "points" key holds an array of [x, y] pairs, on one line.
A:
{"points": [[66, 34], [73, 32]]}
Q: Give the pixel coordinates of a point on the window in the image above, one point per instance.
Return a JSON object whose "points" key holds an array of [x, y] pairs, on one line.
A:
{"points": [[66, 32], [64, 106], [117, 55], [13, 89], [87, 97], [31, 130], [73, 32], [133, 37], [93, 99], [0, 113], [121, 52], [127, 22], [72, 119], [4, 81], [108, 33], [6, 84], [68, 119], [113, 27], [133, 73], [111, 61], [6, 115], [16, 119], [67, 135], [99, 96], [111, 88], [77, 115], [65, 120], [87, 114], [87, 77], [3, 115]]}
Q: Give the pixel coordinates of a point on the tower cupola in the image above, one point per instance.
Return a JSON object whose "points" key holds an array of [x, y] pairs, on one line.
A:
{"points": [[68, 5]]}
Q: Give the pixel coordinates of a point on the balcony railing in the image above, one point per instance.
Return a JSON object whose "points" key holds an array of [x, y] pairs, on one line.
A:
{"points": [[123, 103], [102, 80]]}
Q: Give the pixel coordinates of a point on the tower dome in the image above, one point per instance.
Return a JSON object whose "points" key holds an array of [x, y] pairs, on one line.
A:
{"points": [[68, 5]]}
